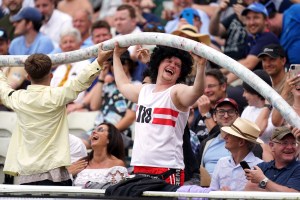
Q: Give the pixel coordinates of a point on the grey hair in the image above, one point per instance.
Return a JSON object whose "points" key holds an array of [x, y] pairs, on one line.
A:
{"points": [[71, 31]]}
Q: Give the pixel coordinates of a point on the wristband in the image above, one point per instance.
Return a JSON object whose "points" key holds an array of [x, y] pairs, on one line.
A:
{"points": [[269, 106], [101, 81]]}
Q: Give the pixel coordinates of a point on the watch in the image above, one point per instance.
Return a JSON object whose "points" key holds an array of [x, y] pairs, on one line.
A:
{"points": [[269, 106], [206, 116], [262, 184]]}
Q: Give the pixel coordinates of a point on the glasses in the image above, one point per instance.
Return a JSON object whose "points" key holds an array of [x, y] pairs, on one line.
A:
{"points": [[152, 26], [100, 129], [212, 85], [285, 143], [230, 112]]}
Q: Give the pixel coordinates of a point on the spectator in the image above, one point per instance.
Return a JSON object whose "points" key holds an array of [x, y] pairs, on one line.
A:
{"points": [[142, 17], [70, 40], [292, 85], [281, 174], [273, 61], [105, 96], [213, 147], [82, 20], [256, 16], [167, 99], [100, 31], [71, 7], [215, 89], [240, 138], [231, 29], [174, 20], [4, 42], [286, 27], [13, 7], [27, 25], [53, 20], [258, 110], [106, 160], [31, 153], [126, 23]]}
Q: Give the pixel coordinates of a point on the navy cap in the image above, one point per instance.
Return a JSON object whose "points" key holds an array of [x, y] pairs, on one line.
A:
{"points": [[272, 50], [29, 13], [256, 7]]}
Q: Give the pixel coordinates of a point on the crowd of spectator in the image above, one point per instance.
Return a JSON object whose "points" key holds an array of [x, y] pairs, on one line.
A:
{"points": [[220, 120]]}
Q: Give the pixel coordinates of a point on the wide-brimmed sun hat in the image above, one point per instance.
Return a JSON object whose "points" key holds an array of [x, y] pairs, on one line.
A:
{"points": [[244, 129], [192, 31]]}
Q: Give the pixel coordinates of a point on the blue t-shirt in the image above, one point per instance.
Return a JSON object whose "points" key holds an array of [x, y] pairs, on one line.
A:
{"points": [[288, 176], [290, 34], [41, 44]]}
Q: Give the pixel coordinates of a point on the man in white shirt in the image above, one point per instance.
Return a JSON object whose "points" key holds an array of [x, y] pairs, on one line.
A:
{"points": [[54, 20]]}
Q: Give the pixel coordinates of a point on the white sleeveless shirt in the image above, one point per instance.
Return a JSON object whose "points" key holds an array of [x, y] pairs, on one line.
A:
{"points": [[159, 130]]}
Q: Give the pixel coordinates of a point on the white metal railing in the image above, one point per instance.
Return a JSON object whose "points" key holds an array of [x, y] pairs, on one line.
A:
{"points": [[73, 192]]}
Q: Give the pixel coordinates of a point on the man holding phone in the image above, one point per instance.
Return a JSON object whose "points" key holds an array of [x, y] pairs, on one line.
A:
{"points": [[281, 174], [240, 138]]}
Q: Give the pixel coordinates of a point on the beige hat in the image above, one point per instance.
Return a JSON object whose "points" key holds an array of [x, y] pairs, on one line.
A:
{"points": [[192, 31], [245, 129]]}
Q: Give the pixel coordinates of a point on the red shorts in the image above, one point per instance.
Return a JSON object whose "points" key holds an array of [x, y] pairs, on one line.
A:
{"points": [[176, 178]]}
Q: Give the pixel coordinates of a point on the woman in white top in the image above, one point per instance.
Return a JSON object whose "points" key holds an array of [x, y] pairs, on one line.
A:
{"points": [[106, 160]]}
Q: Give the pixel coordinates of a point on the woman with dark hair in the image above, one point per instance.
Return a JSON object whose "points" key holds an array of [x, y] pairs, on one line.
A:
{"points": [[106, 160]]}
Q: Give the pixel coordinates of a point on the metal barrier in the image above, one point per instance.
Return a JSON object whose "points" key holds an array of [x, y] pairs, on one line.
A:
{"points": [[67, 192]]}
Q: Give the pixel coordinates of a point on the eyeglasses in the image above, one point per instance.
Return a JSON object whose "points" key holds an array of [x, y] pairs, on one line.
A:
{"points": [[152, 26], [212, 85], [100, 129], [230, 113], [286, 143]]}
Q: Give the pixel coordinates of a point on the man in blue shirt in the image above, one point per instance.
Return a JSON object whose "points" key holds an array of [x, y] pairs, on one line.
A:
{"points": [[27, 24], [286, 27], [281, 174]]}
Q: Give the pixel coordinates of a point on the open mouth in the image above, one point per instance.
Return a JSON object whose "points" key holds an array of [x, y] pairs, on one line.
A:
{"points": [[169, 71], [95, 137], [297, 87]]}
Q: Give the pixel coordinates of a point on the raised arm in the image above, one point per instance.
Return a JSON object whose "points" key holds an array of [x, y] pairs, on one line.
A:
{"points": [[129, 90], [185, 96]]}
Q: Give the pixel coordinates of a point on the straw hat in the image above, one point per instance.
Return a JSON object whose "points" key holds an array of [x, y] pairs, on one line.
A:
{"points": [[192, 31], [244, 129]]}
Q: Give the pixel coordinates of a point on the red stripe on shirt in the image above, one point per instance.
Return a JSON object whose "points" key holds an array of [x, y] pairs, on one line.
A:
{"points": [[161, 121], [165, 111]]}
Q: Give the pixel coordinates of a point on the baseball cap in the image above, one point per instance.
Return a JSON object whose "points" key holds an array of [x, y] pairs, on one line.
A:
{"points": [[190, 10], [281, 132], [227, 100], [3, 34], [256, 7], [28, 13], [272, 50]]}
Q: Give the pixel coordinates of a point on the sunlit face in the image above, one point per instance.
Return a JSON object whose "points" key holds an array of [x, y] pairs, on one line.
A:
{"points": [[46, 7], [69, 43], [225, 115], [284, 150], [231, 141], [100, 35], [13, 5], [82, 22], [99, 136], [255, 22], [213, 89], [169, 69], [273, 66], [123, 22]]}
